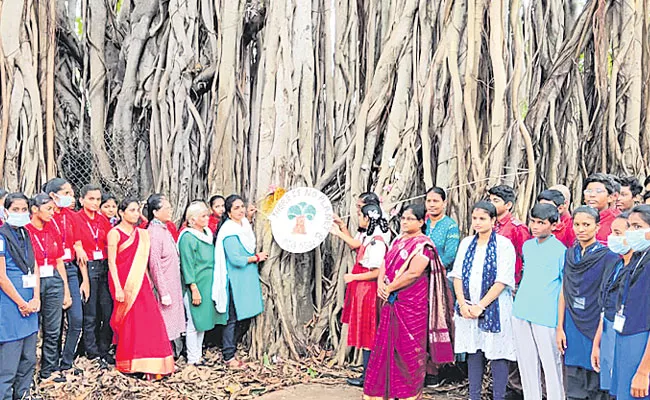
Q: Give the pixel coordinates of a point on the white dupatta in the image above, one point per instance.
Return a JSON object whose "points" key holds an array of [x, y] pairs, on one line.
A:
{"points": [[205, 236], [247, 238]]}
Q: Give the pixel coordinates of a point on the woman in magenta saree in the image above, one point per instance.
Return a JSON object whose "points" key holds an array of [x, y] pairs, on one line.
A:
{"points": [[138, 327], [416, 318]]}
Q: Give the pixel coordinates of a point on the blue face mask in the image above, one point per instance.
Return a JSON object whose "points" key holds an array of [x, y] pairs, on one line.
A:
{"points": [[636, 239], [617, 244], [63, 201], [17, 219]]}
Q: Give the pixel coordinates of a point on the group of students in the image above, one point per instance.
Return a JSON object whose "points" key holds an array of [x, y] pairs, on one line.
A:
{"points": [[116, 282], [560, 303]]}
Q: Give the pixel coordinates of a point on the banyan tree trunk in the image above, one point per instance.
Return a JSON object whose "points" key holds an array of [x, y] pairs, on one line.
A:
{"points": [[192, 98]]}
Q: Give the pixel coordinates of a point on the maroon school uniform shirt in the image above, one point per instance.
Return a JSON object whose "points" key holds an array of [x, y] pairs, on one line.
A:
{"points": [[92, 233], [517, 232], [607, 216], [64, 222], [564, 230], [47, 244]]}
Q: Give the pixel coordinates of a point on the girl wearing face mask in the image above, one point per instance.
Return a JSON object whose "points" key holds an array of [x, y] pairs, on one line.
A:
{"points": [[55, 294], [19, 301], [631, 366], [236, 290], [585, 265], [63, 221], [602, 352]]}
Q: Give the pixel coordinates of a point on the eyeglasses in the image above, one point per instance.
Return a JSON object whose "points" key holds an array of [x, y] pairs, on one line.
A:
{"points": [[594, 191], [408, 219]]}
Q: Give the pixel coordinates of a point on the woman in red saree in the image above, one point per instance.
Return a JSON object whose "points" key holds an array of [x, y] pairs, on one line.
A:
{"points": [[415, 323], [138, 327]]}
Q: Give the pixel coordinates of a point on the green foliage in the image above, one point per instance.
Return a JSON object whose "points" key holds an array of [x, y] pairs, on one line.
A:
{"points": [[118, 6], [610, 63], [301, 209], [80, 26]]}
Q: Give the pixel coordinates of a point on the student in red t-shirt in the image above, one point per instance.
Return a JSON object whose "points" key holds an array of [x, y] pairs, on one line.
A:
{"points": [[108, 208], [600, 193], [64, 221], [503, 198], [55, 293], [91, 230]]}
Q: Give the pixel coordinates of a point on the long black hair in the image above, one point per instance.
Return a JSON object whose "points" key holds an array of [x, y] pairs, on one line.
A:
{"points": [[53, 185], [487, 207], [13, 197], [230, 201], [39, 200], [213, 199], [124, 204], [590, 211], [374, 213], [154, 203]]}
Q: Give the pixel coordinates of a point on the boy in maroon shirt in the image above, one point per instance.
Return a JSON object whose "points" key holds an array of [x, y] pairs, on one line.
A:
{"points": [[503, 197], [563, 230], [91, 230], [600, 193]]}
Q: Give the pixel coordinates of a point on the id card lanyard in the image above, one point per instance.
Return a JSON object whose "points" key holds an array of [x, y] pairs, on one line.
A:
{"points": [[43, 248], [619, 318], [95, 234], [61, 231]]}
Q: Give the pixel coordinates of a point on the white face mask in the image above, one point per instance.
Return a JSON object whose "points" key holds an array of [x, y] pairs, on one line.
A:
{"points": [[636, 239], [618, 244], [63, 201], [17, 219]]}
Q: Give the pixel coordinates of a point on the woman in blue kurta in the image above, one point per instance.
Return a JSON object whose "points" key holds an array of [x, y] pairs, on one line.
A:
{"points": [[236, 288], [578, 311], [442, 229], [632, 320], [19, 301], [602, 352]]}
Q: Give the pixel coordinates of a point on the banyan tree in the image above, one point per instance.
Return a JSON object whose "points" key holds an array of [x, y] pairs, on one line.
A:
{"points": [[197, 97]]}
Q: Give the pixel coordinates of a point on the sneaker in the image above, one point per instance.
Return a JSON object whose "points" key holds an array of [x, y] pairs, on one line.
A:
{"points": [[432, 381], [56, 377], [108, 359], [358, 382], [70, 370]]}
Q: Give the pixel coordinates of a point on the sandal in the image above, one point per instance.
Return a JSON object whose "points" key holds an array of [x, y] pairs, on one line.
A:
{"points": [[235, 364]]}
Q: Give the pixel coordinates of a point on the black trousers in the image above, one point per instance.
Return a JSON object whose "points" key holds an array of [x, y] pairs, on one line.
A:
{"points": [[97, 333]]}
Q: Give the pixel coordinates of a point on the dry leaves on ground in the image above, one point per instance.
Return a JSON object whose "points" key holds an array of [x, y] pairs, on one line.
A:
{"points": [[210, 381]]}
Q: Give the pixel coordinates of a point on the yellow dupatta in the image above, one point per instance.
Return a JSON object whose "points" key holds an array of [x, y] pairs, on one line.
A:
{"points": [[136, 273]]}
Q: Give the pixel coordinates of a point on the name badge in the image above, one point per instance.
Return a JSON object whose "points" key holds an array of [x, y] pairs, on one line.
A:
{"points": [[579, 303], [29, 281], [67, 254], [46, 270], [98, 255], [619, 322]]}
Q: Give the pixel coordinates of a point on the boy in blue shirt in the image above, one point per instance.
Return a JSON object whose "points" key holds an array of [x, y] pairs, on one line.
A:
{"points": [[535, 308]]}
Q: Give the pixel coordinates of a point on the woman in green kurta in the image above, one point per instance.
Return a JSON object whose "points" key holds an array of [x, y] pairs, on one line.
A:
{"points": [[197, 266], [237, 292]]}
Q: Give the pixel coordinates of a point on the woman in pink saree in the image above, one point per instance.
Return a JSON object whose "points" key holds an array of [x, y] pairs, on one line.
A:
{"points": [[416, 318]]}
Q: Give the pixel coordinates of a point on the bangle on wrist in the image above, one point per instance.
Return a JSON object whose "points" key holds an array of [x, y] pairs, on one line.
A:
{"points": [[257, 258]]}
